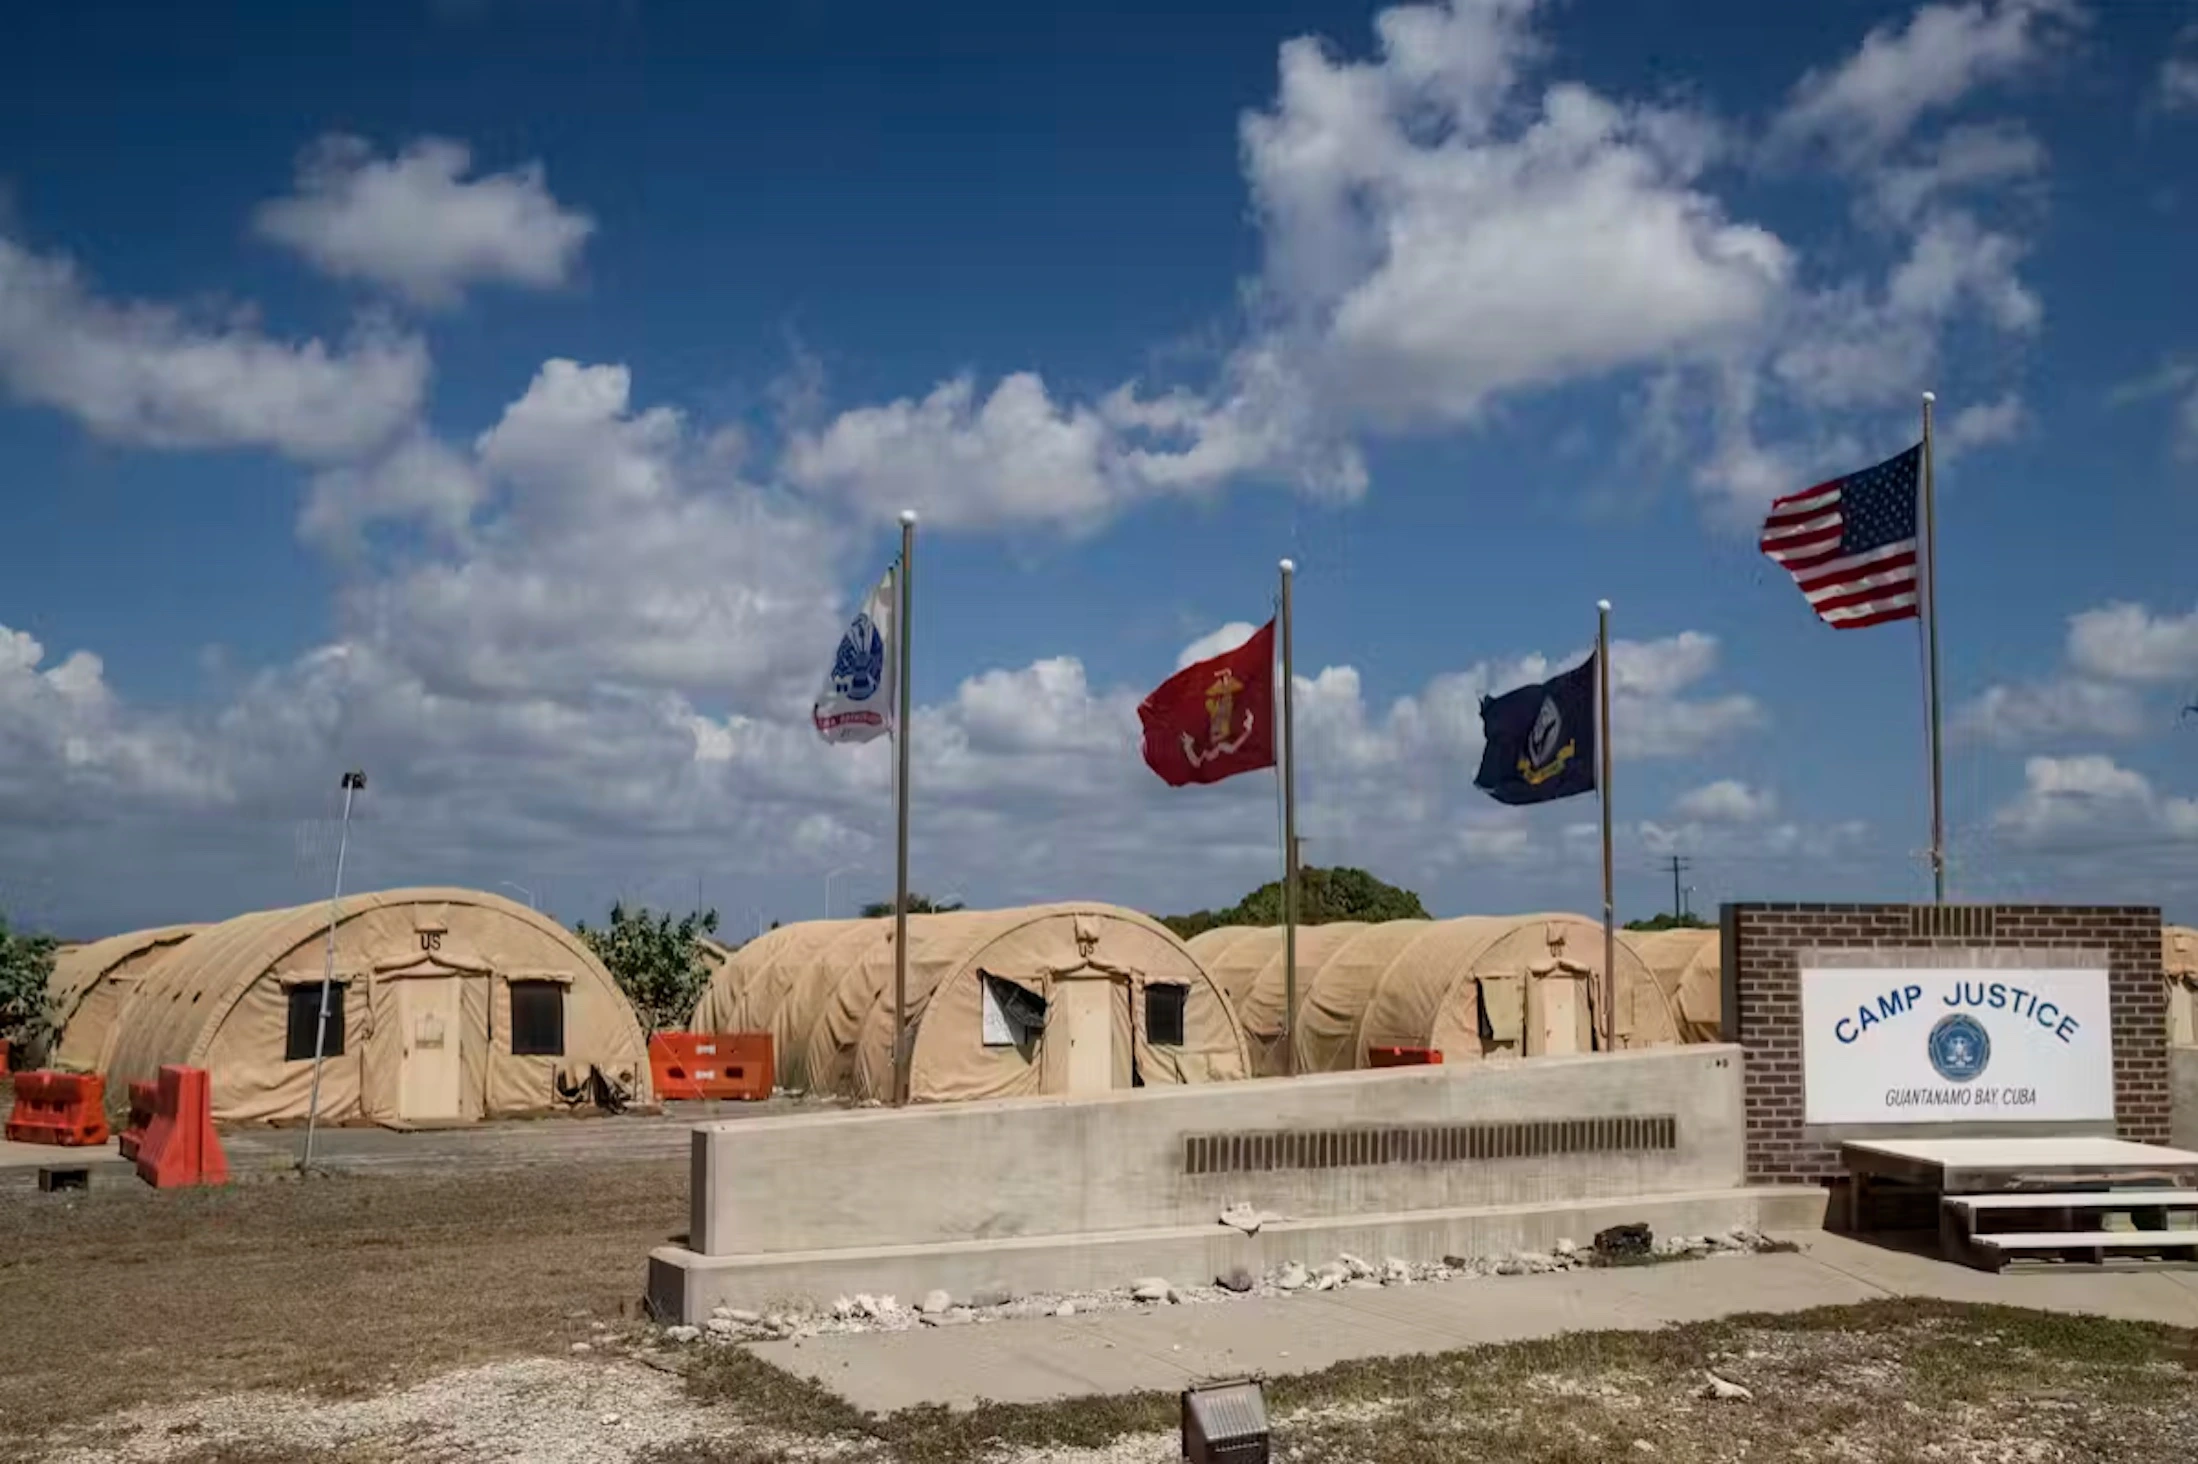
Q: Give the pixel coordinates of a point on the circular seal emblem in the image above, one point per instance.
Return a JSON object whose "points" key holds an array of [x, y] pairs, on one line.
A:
{"points": [[860, 664], [1959, 1047], [1549, 726]]}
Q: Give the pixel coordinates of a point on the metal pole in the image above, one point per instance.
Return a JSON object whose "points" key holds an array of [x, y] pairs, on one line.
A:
{"points": [[900, 880], [1931, 634], [1289, 835], [1602, 786], [352, 783]]}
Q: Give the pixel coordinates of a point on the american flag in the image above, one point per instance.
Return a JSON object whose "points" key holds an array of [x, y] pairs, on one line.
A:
{"points": [[1851, 543]]}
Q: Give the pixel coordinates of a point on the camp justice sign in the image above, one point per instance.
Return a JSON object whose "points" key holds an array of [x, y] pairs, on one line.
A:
{"points": [[1953, 1046]]}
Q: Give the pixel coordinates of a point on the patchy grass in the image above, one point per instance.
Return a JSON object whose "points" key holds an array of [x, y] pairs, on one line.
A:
{"points": [[1893, 1381], [344, 1286]]}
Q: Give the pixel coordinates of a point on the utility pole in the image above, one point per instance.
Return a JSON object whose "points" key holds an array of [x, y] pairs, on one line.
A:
{"points": [[1678, 896]]}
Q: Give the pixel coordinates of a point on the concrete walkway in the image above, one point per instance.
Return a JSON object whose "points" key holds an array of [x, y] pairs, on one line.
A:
{"points": [[1041, 1359]]}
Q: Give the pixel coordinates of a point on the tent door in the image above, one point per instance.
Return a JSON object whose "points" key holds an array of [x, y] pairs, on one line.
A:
{"points": [[1082, 1017], [429, 1026], [1560, 1019]]}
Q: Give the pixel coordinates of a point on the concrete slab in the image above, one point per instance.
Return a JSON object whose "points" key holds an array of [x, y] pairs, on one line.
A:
{"points": [[1164, 1349], [29, 1157]]}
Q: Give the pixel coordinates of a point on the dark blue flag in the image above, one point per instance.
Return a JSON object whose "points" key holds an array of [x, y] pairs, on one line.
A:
{"points": [[1541, 739]]}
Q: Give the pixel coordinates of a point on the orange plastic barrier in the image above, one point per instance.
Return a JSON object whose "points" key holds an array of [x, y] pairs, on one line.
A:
{"points": [[1402, 1056], [59, 1108], [180, 1147], [691, 1065], [144, 1098]]}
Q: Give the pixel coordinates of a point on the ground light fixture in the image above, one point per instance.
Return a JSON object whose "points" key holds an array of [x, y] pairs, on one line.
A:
{"points": [[1225, 1423]]}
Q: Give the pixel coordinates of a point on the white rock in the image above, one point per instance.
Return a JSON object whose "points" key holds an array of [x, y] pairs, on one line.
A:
{"points": [[1395, 1273], [841, 1308], [1567, 1249], [1293, 1277], [1357, 1268], [866, 1303], [934, 1302], [582, 1347], [1717, 1387], [887, 1306], [1537, 1261], [1150, 1288], [1065, 1309], [723, 1326], [682, 1334], [610, 1420], [1644, 1446], [1242, 1217], [744, 1317]]}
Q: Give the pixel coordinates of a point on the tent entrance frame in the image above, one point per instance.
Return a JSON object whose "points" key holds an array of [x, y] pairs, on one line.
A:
{"points": [[1090, 1036], [428, 1007]]}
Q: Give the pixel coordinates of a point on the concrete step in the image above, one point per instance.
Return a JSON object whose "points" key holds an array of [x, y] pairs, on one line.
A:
{"points": [[2118, 1199], [2087, 1240]]}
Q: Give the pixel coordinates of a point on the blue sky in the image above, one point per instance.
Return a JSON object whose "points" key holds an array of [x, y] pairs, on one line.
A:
{"points": [[513, 396]]}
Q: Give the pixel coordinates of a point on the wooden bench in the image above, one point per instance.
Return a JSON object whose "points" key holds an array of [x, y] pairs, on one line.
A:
{"points": [[1962, 1238]]}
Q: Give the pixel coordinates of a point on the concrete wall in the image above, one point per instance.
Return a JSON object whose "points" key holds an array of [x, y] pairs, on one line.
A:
{"points": [[2183, 1083], [1070, 1193], [1054, 1166]]}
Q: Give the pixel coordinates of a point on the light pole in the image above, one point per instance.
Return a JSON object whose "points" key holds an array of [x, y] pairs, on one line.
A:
{"points": [[353, 782], [522, 889], [828, 878]]}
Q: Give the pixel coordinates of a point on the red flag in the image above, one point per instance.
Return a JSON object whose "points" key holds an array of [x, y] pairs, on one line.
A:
{"points": [[1215, 719]]}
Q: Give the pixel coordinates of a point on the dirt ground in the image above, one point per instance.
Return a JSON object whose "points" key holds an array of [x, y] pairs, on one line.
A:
{"points": [[343, 1284], [376, 1317]]}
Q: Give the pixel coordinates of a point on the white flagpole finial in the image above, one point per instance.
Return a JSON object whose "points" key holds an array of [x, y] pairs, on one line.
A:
{"points": [[1930, 396], [908, 515], [1289, 566], [1603, 605]]}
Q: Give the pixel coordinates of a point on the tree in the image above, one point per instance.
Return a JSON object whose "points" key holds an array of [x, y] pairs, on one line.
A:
{"points": [[917, 905], [26, 970], [1688, 921], [662, 967], [1324, 897]]}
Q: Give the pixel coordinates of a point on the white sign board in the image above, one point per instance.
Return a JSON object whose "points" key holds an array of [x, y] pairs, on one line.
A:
{"points": [[1955, 1046]]}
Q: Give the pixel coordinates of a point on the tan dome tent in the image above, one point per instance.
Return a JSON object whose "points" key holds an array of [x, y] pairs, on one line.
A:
{"points": [[89, 985], [1000, 1004], [1474, 987], [2179, 960], [1685, 964], [455, 1005]]}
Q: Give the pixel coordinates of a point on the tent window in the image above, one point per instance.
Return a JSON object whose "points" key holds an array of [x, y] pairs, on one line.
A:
{"points": [[537, 1019], [1164, 1014], [305, 1020], [1012, 1014]]}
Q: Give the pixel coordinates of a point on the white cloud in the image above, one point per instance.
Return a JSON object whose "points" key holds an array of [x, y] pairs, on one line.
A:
{"points": [[1984, 424], [1214, 642], [2179, 74], [66, 744], [2049, 711], [1726, 801], [1971, 156], [1875, 97], [1435, 235], [416, 225], [146, 375], [2125, 642], [2090, 799]]}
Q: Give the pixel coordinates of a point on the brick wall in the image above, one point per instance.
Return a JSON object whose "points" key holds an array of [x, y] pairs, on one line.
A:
{"points": [[1762, 1006]]}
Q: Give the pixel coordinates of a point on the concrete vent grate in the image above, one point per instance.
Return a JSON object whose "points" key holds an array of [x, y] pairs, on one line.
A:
{"points": [[1951, 922], [1427, 1143]]}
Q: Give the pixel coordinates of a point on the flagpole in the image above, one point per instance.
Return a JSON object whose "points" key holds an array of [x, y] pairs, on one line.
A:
{"points": [[1931, 635], [1602, 785], [1289, 838], [900, 783]]}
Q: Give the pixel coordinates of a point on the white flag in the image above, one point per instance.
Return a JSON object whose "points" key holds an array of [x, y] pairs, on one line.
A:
{"points": [[857, 702]]}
